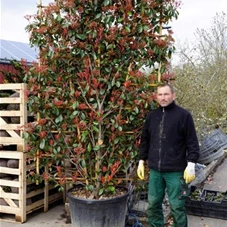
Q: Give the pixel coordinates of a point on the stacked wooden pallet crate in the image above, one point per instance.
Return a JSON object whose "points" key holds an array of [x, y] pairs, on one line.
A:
{"points": [[18, 196]]}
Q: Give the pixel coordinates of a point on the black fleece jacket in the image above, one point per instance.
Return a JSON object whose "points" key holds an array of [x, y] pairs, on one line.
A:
{"points": [[169, 139]]}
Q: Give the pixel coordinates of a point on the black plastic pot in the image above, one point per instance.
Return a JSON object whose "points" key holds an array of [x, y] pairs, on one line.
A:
{"points": [[98, 213]]}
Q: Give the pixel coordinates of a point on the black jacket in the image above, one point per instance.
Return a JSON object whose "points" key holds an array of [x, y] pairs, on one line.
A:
{"points": [[169, 139]]}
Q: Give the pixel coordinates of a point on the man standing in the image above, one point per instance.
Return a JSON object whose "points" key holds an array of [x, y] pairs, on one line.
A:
{"points": [[169, 143]]}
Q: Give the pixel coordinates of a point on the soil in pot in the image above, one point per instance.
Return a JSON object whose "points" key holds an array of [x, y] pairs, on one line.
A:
{"points": [[105, 212]]}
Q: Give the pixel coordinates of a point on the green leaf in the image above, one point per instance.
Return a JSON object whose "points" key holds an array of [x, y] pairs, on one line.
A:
{"points": [[59, 149], [81, 36], [75, 105], [42, 144], [136, 110], [129, 13], [59, 18], [83, 163], [50, 54], [74, 114], [96, 148], [145, 28], [113, 81], [118, 84], [127, 28], [101, 190], [106, 2], [90, 187], [25, 135], [120, 19], [95, 105], [140, 28], [102, 91], [59, 119], [131, 117], [66, 25], [96, 129], [111, 188], [89, 147], [98, 16], [116, 140], [83, 116]]}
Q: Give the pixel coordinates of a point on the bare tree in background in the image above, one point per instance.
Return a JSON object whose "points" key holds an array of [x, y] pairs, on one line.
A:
{"points": [[201, 75]]}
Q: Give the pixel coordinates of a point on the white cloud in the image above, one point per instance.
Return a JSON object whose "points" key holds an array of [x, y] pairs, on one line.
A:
{"points": [[13, 28], [13, 20], [193, 14], [196, 14]]}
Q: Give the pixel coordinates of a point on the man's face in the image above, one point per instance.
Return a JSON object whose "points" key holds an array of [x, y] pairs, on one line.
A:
{"points": [[165, 96]]}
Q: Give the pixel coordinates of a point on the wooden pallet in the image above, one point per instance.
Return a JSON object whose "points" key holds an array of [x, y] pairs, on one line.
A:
{"points": [[14, 137], [15, 202]]}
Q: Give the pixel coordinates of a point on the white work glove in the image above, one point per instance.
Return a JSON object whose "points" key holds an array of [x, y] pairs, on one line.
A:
{"points": [[189, 172], [140, 169]]}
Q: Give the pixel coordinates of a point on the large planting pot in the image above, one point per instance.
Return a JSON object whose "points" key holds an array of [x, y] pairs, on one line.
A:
{"points": [[98, 213]]}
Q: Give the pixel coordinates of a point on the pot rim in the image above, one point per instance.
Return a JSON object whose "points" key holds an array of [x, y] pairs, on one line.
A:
{"points": [[119, 197]]}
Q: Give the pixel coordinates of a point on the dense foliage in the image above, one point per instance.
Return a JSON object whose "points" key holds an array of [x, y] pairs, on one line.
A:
{"points": [[87, 90], [17, 73]]}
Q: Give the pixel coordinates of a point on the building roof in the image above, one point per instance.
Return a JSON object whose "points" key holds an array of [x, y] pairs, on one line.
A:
{"points": [[12, 50]]}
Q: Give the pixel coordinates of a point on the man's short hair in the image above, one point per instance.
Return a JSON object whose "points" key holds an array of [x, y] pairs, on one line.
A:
{"points": [[168, 85]]}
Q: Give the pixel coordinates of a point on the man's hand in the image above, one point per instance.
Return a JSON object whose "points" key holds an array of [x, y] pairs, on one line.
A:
{"points": [[189, 173], [140, 170]]}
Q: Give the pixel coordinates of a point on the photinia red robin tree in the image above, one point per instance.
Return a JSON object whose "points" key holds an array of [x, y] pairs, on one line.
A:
{"points": [[88, 90]]}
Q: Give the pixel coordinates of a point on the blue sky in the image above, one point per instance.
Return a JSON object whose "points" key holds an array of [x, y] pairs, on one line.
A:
{"points": [[193, 14]]}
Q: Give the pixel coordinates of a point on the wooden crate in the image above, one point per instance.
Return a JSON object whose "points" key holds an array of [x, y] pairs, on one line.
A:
{"points": [[14, 193], [12, 121], [14, 202]]}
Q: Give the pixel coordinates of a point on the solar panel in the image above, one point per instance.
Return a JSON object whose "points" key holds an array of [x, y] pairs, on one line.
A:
{"points": [[10, 50]]}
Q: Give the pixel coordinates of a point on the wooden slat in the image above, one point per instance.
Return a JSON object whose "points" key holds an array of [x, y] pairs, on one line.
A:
{"points": [[34, 206], [11, 183], [34, 193], [23, 188], [10, 113], [10, 210], [9, 171], [11, 140], [40, 203], [4, 127], [11, 133], [10, 154], [10, 195], [10, 100], [38, 191], [10, 202], [16, 86], [10, 126]]}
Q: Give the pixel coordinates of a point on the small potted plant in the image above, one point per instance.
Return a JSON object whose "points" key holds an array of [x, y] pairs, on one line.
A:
{"points": [[90, 95]]}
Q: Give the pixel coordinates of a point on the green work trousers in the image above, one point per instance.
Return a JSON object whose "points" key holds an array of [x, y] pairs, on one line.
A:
{"points": [[159, 183]]}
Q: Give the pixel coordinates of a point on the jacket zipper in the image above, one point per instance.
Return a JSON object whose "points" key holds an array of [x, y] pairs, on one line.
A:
{"points": [[160, 138]]}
